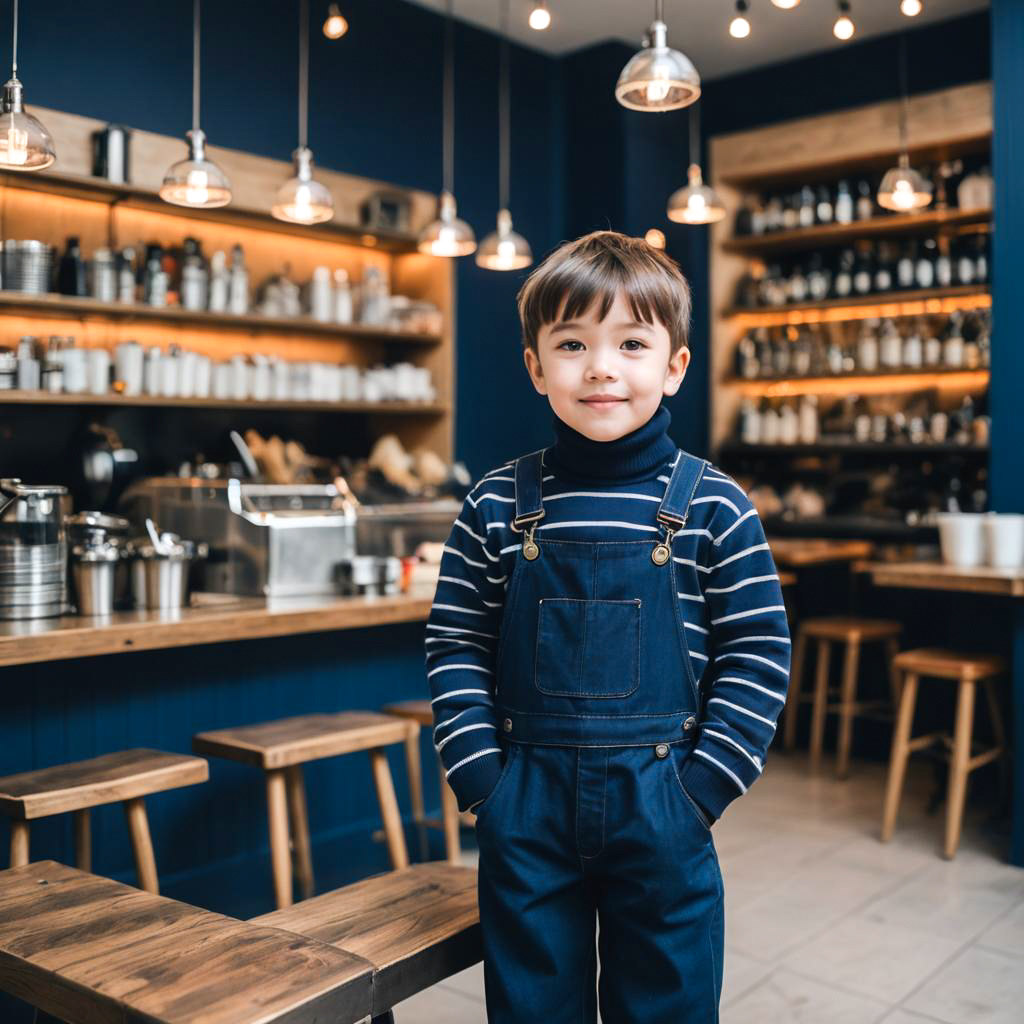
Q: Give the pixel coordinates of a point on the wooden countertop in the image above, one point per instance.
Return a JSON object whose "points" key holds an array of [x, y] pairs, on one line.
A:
{"points": [[798, 552], [214, 618], [939, 576]]}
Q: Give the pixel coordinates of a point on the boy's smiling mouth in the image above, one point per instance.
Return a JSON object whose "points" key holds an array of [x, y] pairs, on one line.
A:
{"points": [[602, 401]]}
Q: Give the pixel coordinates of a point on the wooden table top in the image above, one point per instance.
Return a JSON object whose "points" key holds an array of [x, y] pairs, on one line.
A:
{"points": [[214, 618], [799, 552], [90, 950], [939, 576]]}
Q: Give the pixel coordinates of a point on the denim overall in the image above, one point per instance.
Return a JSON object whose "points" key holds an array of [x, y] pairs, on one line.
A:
{"points": [[597, 708]]}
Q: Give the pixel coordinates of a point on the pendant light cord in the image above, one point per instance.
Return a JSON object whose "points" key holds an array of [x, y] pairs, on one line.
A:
{"points": [[659, 10], [195, 65], [904, 97], [448, 172], [303, 73], [695, 134], [504, 115], [14, 52]]}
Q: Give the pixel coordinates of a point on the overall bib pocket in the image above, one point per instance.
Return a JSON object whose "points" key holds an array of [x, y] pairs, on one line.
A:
{"points": [[587, 648]]}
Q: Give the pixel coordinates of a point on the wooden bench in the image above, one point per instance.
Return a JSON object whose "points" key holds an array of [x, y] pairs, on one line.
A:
{"points": [[127, 776], [416, 926], [280, 749], [422, 713], [90, 950]]}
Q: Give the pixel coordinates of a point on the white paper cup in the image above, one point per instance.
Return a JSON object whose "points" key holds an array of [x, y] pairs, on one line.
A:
{"points": [[128, 360], [961, 539], [1004, 540]]}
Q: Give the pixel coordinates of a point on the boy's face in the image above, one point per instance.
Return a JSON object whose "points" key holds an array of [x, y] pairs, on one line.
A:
{"points": [[605, 378]]}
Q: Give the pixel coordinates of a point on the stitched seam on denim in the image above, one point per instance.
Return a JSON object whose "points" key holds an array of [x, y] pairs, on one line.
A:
{"points": [[510, 604], [557, 714], [505, 768], [686, 796], [681, 631]]}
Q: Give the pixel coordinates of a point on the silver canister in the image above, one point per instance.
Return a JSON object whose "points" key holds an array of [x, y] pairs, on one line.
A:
{"points": [[26, 266], [33, 550], [160, 578], [94, 577]]}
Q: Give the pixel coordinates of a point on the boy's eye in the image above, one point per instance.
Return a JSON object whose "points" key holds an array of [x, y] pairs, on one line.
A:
{"points": [[634, 341], [571, 342]]}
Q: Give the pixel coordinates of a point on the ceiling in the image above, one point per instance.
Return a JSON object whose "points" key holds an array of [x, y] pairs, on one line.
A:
{"points": [[700, 28]]}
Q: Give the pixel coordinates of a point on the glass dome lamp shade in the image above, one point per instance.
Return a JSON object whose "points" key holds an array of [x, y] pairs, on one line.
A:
{"points": [[903, 189], [695, 203], [196, 181], [301, 199], [447, 236], [658, 78], [25, 145], [786, 5], [504, 249]]}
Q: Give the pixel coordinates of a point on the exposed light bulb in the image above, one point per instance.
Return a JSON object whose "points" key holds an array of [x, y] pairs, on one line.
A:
{"points": [[786, 5], [655, 238], [658, 90], [844, 27], [335, 26], [739, 27], [197, 188], [911, 8], [14, 146], [540, 17]]}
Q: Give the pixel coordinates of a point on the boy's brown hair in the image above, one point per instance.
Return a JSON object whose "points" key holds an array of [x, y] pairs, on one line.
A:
{"points": [[595, 268]]}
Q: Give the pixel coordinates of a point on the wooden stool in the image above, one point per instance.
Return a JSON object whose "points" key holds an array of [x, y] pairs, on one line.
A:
{"points": [[281, 748], [127, 776], [421, 713], [853, 632], [416, 927], [967, 670]]}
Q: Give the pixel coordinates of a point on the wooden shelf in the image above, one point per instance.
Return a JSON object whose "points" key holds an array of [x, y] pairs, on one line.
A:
{"points": [[76, 186], [67, 307], [838, 234], [738, 448], [858, 307], [247, 405], [864, 383], [214, 618]]}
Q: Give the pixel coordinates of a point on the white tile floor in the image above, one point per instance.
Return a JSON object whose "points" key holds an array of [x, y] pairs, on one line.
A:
{"points": [[826, 925]]}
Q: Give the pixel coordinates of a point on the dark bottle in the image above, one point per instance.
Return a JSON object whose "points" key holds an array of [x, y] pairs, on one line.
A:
{"points": [[981, 259], [807, 207], [824, 211], [963, 263], [797, 285], [863, 271], [842, 283], [884, 269], [905, 266], [865, 200], [71, 271], [844, 204], [819, 280], [743, 224], [924, 268], [791, 211]]}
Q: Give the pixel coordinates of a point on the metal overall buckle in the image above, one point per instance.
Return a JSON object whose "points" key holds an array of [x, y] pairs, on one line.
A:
{"points": [[531, 549], [663, 549]]}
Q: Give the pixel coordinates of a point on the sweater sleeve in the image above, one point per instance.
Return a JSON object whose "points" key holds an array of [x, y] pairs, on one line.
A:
{"points": [[461, 649], [749, 638]]}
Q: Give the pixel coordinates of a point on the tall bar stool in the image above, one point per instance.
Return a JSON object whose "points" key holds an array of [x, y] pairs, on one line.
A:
{"points": [[421, 713], [852, 633], [127, 776], [967, 670], [280, 749]]}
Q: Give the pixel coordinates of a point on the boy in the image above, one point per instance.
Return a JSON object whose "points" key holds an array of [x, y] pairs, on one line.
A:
{"points": [[608, 653]]}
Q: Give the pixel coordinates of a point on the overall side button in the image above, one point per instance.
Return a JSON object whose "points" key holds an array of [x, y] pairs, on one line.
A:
{"points": [[689, 723], [661, 750]]}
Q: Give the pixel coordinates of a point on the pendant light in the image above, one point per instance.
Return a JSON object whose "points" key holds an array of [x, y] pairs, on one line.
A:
{"points": [[448, 236], [25, 145], [196, 181], [658, 78], [695, 202], [786, 5], [504, 249], [739, 27], [903, 189], [335, 25], [844, 27], [301, 200], [540, 16], [911, 8]]}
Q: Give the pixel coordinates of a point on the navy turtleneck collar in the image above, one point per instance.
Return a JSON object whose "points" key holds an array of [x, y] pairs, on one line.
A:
{"points": [[636, 455]]}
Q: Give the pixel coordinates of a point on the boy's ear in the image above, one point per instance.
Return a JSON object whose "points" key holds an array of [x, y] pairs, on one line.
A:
{"points": [[676, 370], [534, 369]]}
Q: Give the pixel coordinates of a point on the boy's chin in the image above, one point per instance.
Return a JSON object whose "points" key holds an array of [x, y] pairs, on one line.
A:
{"points": [[603, 426]]}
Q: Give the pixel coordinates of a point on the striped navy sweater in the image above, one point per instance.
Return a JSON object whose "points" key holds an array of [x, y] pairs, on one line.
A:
{"points": [[730, 600]]}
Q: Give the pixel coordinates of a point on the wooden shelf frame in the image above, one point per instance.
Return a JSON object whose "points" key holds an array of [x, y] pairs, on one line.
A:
{"points": [[909, 224], [897, 381]]}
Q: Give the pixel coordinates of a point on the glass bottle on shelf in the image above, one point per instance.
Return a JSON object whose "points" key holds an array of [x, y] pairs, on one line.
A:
{"points": [[932, 348], [742, 223], [791, 211], [819, 279], [943, 263], [807, 211], [865, 200], [834, 356], [764, 352], [71, 270], [867, 347], [842, 282], [789, 424], [824, 212], [924, 266], [844, 208], [747, 367], [890, 346], [796, 286], [883, 281], [863, 275], [750, 423], [219, 280], [781, 353], [906, 265], [773, 214], [808, 427], [238, 283], [963, 262], [758, 218], [769, 424], [953, 345], [800, 359], [913, 350], [981, 258]]}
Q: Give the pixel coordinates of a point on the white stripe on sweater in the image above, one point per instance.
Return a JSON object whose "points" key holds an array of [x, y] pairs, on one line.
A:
{"points": [[748, 613], [755, 761], [780, 697], [602, 494], [458, 608], [743, 711], [458, 693], [455, 629], [755, 639], [755, 657], [472, 757], [598, 522], [742, 583], [459, 732], [725, 533], [741, 554], [732, 775], [452, 668], [715, 497]]}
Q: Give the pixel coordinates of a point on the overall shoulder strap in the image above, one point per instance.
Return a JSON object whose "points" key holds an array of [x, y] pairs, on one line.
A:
{"points": [[682, 485], [529, 474]]}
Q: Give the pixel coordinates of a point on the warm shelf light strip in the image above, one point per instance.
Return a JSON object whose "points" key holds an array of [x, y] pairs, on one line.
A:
{"points": [[873, 384], [838, 314]]}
